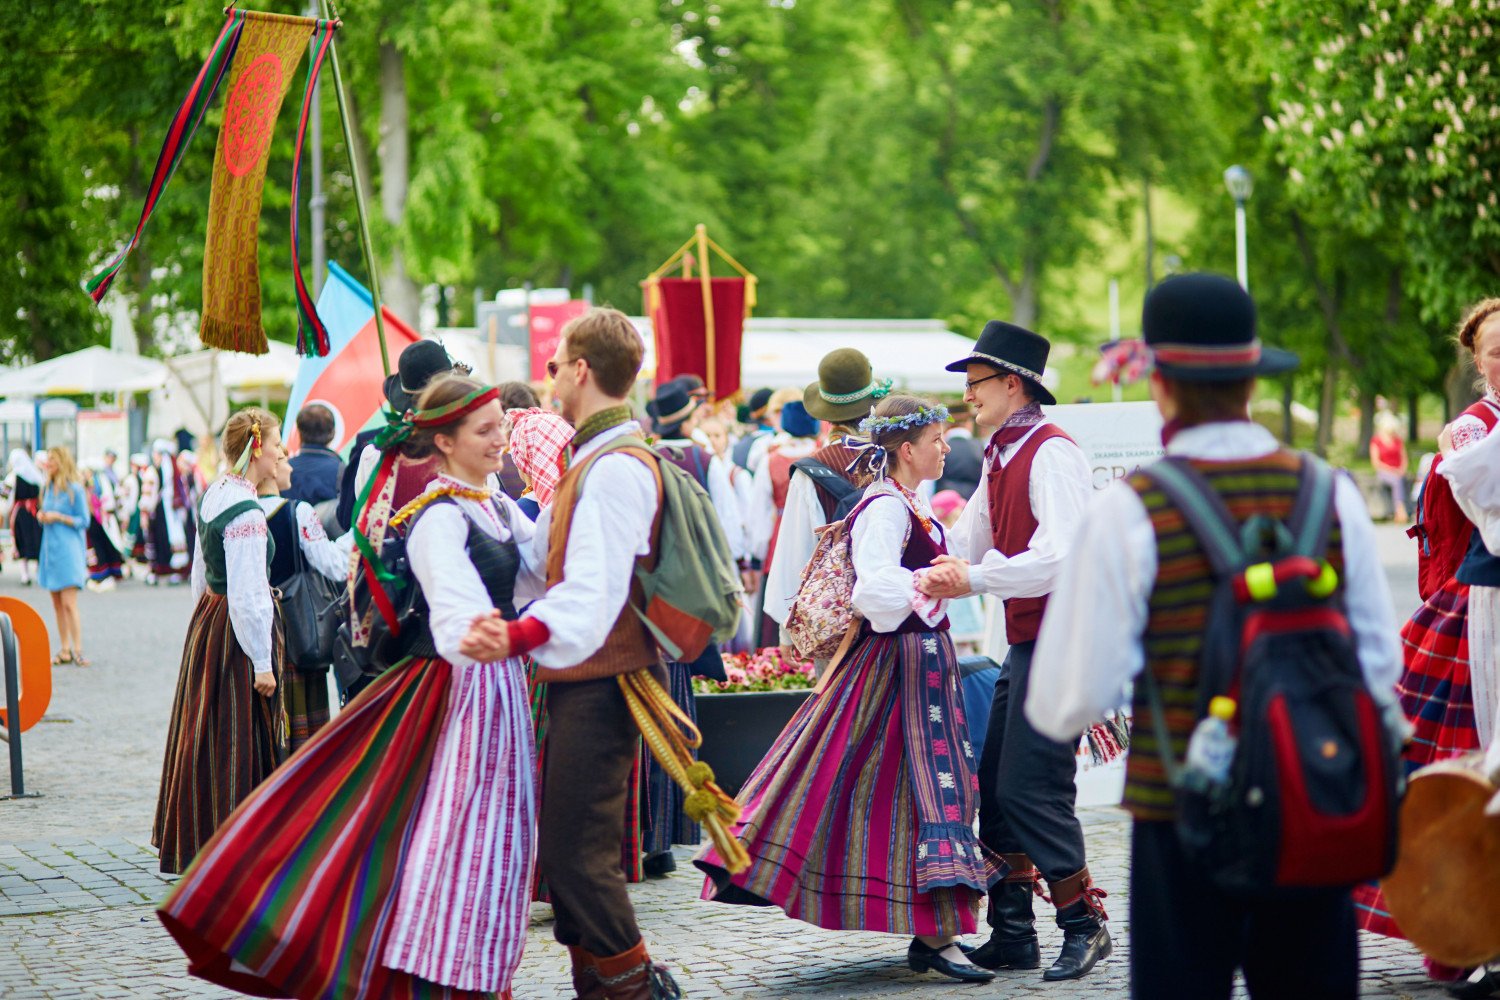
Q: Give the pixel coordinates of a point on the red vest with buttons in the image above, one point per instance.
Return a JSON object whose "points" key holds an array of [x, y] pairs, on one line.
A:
{"points": [[1012, 524]]}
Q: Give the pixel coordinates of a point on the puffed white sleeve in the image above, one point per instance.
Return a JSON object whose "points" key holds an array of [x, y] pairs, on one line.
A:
{"points": [[1474, 471], [199, 573], [1469, 437], [438, 548], [251, 610], [884, 590], [1059, 494], [727, 506], [760, 512], [330, 558]]}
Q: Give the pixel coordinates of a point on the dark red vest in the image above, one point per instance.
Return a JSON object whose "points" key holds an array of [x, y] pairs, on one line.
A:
{"points": [[1012, 524], [921, 550]]}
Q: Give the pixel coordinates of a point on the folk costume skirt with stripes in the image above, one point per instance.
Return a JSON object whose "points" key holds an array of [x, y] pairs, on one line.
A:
{"points": [[1435, 695], [664, 823], [391, 857], [305, 696], [223, 739], [861, 816]]}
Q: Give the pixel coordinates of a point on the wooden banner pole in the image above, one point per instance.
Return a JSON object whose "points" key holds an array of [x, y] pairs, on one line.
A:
{"points": [[366, 246], [711, 376]]}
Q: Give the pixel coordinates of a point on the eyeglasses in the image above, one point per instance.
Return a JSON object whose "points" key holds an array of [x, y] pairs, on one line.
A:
{"points": [[970, 385]]}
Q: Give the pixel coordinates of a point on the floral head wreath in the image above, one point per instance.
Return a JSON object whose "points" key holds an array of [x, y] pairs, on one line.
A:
{"points": [[872, 454]]}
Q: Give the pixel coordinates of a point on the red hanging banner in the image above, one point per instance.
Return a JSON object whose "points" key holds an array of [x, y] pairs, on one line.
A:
{"points": [[547, 322], [681, 330]]}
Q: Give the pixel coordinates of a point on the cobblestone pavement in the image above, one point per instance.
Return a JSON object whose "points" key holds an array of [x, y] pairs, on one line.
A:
{"points": [[78, 879]]}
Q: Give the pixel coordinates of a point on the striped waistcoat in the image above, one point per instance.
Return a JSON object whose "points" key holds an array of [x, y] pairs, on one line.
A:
{"points": [[1177, 612]]}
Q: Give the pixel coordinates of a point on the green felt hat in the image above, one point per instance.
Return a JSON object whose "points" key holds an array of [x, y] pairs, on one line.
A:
{"points": [[846, 388]]}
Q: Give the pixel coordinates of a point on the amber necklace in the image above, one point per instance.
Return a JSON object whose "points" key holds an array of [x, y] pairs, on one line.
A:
{"points": [[458, 492], [911, 501]]}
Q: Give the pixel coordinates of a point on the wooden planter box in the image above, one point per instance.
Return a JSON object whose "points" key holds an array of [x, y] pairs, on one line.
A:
{"points": [[739, 728]]}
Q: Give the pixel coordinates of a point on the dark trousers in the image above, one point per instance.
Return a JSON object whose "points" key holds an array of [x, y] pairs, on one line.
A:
{"points": [[1027, 783], [1187, 938], [592, 743]]}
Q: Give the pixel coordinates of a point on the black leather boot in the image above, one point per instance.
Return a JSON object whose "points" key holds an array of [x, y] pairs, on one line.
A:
{"points": [[1085, 938], [658, 865], [1013, 942]]}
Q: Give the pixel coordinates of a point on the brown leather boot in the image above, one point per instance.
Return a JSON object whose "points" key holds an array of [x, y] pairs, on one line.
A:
{"points": [[586, 975], [631, 975]]}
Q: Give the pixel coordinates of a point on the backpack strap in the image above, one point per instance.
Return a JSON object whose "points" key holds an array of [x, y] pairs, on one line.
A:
{"points": [[1204, 510], [1312, 512]]}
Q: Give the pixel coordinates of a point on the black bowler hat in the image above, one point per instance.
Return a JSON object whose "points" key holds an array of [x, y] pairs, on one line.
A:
{"points": [[758, 401], [1012, 350], [419, 364], [1201, 328], [671, 407]]}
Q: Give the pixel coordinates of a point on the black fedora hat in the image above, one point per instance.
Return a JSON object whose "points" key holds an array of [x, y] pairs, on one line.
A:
{"points": [[417, 366], [1201, 328], [1012, 350], [673, 405]]}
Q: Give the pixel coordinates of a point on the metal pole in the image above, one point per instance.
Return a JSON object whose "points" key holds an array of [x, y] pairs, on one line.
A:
{"points": [[1241, 255], [12, 707], [365, 244], [319, 202]]}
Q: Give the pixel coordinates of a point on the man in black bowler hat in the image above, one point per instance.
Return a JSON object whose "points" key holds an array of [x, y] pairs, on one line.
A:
{"points": [[1125, 604], [1010, 542]]}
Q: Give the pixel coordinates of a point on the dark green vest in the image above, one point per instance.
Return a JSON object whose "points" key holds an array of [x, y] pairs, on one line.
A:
{"points": [[211, 541]]}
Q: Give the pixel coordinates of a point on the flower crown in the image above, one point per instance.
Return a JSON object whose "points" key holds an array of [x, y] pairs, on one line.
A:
{"points": [[873, 425]]}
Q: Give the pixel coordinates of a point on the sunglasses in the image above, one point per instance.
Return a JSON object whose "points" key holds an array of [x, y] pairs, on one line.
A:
{"points": [[553, 367]]}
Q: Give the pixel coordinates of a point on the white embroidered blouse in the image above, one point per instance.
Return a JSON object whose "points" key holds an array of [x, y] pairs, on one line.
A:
{"points": [[247, 583], [438, 549]]}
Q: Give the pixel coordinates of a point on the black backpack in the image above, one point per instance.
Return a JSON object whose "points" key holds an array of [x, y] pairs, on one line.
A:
{"points": [[388, 644], [844, 495], [1314, 784]]}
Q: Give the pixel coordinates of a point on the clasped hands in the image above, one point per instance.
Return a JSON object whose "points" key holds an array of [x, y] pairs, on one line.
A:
{"points": [[488, 640], [948, 578]]}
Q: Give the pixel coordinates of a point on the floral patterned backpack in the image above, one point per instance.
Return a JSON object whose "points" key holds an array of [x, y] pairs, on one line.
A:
{"points": [[822, 620]]}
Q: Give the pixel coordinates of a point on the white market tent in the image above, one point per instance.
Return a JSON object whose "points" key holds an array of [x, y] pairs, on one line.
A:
{"points": [[780, 352], [203, 383], [93, 371]]}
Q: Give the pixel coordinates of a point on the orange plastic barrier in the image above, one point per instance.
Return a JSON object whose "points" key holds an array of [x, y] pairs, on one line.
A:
{"points": [[35, 666]]}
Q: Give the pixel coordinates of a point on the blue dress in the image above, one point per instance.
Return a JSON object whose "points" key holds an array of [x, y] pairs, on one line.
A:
{"points": [[64, 561]]}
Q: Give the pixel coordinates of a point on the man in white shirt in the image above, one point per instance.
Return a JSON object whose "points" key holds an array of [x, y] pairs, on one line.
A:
{"points": [[1112, 616], [1010, 542]]}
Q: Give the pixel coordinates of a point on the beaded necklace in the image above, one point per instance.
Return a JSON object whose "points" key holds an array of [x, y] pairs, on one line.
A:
{"points": [[465, 492], [911, 501]]}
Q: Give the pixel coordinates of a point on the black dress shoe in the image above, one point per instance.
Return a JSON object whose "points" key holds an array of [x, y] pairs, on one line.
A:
{"points": [[1487, 985], [1085, 942], [921, 958], [659, 864]]}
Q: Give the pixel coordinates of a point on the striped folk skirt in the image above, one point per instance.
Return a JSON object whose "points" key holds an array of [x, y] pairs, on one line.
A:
{"points": [[861, 815], [223, 739], [305, 696], [664, 823], [390, 857]]}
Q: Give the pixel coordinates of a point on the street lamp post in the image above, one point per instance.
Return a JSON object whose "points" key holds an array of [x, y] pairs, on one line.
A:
{"points": [[1237, 179]]}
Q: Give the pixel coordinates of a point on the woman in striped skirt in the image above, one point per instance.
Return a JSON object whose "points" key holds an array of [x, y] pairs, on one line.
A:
{"points": [[226, 732], [391, 856], [861, 817]]}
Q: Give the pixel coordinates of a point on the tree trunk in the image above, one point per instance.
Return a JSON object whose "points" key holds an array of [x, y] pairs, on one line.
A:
{"points": [[396, 286], [1023, 301], [140, 262], [1327, 401], [1412, 432], [1366, 419], [1150, 234]]}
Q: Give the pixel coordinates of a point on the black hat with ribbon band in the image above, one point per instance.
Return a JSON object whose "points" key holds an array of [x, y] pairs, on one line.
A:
{"points": [[673, 405], [846, 388], [1201, 328], [1011, 350], [419, 364]]}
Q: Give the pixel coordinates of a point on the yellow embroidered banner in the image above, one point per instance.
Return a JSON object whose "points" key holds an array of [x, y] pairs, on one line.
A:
{"points": [[265, 62]]}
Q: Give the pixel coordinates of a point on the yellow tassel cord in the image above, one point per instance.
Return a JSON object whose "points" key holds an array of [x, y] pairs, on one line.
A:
{"points": [[672, 736]]}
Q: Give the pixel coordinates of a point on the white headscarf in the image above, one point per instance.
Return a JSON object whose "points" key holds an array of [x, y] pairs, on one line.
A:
{"points": [[22, 464]]}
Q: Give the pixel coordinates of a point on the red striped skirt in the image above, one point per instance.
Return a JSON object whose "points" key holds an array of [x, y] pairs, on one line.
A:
{"points": [[223, 739]]}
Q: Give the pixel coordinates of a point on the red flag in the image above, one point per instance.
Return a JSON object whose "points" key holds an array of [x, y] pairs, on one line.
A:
{"points": [[547, 322], [681, 342]]}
